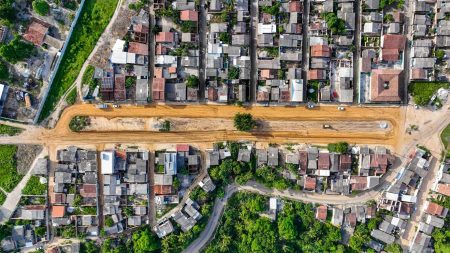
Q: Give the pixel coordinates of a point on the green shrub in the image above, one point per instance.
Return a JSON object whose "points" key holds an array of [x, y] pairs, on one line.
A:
{"points": [[109, 222], [78, 123], [94, 17], [34, 187], [233, 73], [2, 197], [41, 7], [335, 24], [192, 81], [72, 97]]}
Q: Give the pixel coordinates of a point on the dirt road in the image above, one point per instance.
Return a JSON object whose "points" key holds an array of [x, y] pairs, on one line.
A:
{"points": [[61, 134]]}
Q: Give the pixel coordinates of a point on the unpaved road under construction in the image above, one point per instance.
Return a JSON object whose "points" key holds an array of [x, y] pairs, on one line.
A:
{"points": [[278, 124]]}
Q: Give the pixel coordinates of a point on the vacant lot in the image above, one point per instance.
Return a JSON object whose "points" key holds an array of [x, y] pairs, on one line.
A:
{"points": [[423, 91], [93, 20], [34, 187], [9, 177]]}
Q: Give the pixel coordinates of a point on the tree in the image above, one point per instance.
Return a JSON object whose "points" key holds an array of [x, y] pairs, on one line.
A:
{"points": [[7, 11], [16, 50], [225, 38], [287, 228], [109, 222], [340, 147], [192, 81], [41, 7], [335, 24], [144, 242], [233, 73], [89, 247], [130, 81], [244, 122], [393, 248], [4, 71], [165, 126], [440, 54]]}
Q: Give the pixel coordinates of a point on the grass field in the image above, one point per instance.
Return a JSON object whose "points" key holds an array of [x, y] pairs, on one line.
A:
{"points": [[34, 187], [9, 177], [94, 18], [9, 130]]}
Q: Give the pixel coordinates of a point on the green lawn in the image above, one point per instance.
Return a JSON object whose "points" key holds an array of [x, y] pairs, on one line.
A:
{"points": [[9, 177], [423, 91], [9, 130], [445, 137], [93, 20], [34, 187]]}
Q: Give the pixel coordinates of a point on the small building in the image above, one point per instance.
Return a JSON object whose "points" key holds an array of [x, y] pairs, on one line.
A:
{"points": [[207, 184], [321, 213]]}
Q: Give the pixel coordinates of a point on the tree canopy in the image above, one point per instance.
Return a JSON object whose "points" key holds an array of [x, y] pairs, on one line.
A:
{"points": [[4, 71], [335, 24], [41, 7], [16, 50], [244, 122], [144, 242]]}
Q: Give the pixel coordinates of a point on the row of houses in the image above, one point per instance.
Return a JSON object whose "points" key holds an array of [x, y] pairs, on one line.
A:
{"points": [[330, 74], [357, 170], [176, 72], [125, 189], [279, 51], [75, 191], [125, 77]]}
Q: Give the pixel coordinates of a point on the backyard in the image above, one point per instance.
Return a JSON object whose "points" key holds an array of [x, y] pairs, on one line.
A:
{"points": [[93, 19]]}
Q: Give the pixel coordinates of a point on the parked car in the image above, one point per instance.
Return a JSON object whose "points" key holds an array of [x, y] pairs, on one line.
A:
{"points": [[102, 106], [116, 106], [341, 108], [326, 126]]}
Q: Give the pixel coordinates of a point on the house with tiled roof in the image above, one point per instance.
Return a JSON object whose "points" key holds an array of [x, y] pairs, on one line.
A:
{"points": [[392, 46], [386, 85]]}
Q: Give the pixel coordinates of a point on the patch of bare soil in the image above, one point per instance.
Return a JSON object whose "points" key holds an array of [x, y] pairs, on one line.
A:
{"points": [[25, 157]]}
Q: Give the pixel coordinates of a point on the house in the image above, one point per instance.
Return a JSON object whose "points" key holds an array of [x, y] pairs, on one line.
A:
{"points": [[244, 155], [163, 229], [212, 158], [358, 183], [435, 209], [338, 217], [382, 236], [164, 37], [324, 161], [443, 189], [386, 85], [309, 183], [207, 184], [350, 219], [372, 4], [320, 51], [58, 211], [261, 157], [272, 157], [36, 32], [434, 221], [392, 46], [420, 243], [189, 15], [107, 162], [321, 213]]}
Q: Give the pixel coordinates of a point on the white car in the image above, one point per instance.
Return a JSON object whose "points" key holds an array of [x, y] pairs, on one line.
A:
{"points": [[116, 106], [341, 108]]}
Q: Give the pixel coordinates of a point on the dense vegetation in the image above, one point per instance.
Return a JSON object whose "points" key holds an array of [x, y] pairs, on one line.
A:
{"points": [[9, 130], [244, 122], [93, 19], [340, 147], [441, 236], [335, 24], [9, 177], [34, 187], [4, 71], [395, 3], [78, 123], [243, 229], [7, 12], [16, 50], [192, 81], [41, 7], [423, 91]]}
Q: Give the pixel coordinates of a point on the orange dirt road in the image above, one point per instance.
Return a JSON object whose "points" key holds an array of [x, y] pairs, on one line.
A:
{"points": [[61, 134]]}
